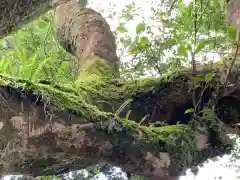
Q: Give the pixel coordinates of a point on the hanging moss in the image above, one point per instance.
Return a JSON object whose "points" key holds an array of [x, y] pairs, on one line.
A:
{"points": [[62, 97]]}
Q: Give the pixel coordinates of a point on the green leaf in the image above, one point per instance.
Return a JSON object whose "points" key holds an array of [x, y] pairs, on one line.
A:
{"points": [[172, 42], [42, 24], [198, 78], [189, 111], [182, 50], [140, 28], [201, 46], [212, 44], [180, 5], [232, 32], [121, 28], [125, 41], [143, 41], [209, 76], [222, 4]]}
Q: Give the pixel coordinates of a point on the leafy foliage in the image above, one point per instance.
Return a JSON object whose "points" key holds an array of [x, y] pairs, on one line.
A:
{"points": [[33, 53], [179, 33]]}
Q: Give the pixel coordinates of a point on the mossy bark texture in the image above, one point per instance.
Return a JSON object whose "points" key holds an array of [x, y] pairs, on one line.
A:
{"points": [[49, 128]]}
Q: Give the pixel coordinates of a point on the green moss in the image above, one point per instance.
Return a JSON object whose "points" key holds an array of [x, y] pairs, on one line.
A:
{"points": [[79, 100], [131, 87]]}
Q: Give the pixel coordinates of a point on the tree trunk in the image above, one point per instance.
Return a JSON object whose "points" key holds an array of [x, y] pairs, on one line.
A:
{"points": [[84, 33], [16, 13]]}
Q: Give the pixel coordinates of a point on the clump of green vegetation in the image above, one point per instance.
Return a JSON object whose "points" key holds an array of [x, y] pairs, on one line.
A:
{"points": [[33, 54]]}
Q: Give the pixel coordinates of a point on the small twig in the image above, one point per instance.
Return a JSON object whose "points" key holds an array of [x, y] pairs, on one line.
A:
{"points": [[193, 54], [201, 95], [232, 90], [172, 6]]}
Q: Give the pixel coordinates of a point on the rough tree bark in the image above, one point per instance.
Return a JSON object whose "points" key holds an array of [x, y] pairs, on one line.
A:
{"points": [[85, 34], [16, 13], [48, 129]]}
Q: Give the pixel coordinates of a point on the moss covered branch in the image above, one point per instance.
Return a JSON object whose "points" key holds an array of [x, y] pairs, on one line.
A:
{"points": [[50, 127]]}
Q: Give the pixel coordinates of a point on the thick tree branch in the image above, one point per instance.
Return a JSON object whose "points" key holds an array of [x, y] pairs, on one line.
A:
{"points": [[16, 13], [51, 128]]}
